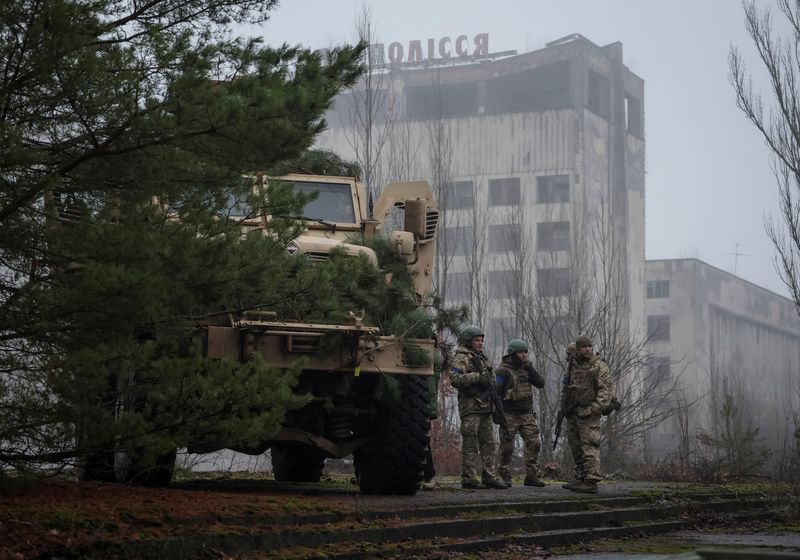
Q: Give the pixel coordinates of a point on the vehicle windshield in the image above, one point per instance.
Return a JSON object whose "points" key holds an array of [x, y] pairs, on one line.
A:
{"points": [[333, 204]]}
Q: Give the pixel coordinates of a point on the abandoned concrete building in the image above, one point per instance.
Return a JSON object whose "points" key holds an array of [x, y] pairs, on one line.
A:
{"points": [[530, 155], [538, 162], [714, 335]]}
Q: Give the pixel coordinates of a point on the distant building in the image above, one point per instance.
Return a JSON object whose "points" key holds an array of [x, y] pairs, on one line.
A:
{"points": [[715, 335], [543, 153]]}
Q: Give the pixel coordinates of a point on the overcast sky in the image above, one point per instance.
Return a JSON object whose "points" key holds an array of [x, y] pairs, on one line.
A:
{"points": [[709, 183]]}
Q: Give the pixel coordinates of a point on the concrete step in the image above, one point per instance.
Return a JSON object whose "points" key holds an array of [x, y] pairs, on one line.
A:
{"points": [[544, 530], [456, 527]]}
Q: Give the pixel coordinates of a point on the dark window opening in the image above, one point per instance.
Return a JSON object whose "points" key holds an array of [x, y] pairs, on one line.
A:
{"points": [[633, 116], [552, 189], [552, 236], [501, 283], [504, 238], [441, 100], [458, 195], [553, 281], [599, 94], [456, 241], [658, 327], [504, 192], [540, 89], [457, 286], [657, 289]]}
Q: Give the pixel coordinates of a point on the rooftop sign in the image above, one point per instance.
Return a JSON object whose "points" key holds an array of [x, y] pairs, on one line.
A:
{"points": [[434, 50]]}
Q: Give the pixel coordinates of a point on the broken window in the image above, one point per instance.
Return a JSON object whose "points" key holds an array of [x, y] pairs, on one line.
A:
{"points": [[504, 192], [552, 236], [552, 189]]}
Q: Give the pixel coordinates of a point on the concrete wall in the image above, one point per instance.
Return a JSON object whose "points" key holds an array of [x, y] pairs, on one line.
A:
{"points": [[727, 336]]}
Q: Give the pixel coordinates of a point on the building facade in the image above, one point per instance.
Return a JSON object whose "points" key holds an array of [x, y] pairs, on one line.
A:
{"points": [[538, 162], [714, 336]]}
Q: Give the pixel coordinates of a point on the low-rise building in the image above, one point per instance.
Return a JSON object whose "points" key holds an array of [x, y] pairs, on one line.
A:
{"points": [[727, 348]]}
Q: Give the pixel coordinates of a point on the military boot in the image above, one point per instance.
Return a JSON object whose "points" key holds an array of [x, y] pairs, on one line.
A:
{"points": [[533, 481], [587, 487], [495, 483], [472, 484]]}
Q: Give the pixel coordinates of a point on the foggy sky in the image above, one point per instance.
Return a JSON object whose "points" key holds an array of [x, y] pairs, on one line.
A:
{"points": [[709, 183]]}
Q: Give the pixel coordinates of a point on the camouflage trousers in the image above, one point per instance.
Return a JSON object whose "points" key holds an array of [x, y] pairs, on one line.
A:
{"points": [[583, 436], [528, 429], [477, 443]]}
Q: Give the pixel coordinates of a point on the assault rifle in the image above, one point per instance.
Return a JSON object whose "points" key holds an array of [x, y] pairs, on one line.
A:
{"points": [[562, 412], [498, 416]]}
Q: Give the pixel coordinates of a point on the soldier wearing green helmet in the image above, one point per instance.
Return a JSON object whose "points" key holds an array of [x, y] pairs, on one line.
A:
{"points": [[471, 374], [586, 396], [516, 378]]}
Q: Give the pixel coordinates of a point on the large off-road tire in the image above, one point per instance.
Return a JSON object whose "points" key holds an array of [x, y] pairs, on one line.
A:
{"points": [[394, 463], [97, 467], [158, 475], [297, 463]]}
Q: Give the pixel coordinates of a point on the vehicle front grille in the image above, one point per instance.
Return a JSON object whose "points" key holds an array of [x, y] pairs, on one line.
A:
{"points": [[317, 256]]}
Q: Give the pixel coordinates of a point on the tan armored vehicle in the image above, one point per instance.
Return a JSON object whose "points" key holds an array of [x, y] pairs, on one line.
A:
{"points": [[388, 438]]}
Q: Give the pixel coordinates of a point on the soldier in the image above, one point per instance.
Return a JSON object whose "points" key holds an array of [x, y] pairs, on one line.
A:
{"points": [[516, 378], [471, 374], [587, 395]]}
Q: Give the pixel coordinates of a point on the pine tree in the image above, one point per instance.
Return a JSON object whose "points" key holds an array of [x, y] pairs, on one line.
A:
{"points": [[125, 129]]}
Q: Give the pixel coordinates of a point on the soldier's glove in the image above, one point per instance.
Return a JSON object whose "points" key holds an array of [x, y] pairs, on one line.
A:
{"points": [[534, 376]]}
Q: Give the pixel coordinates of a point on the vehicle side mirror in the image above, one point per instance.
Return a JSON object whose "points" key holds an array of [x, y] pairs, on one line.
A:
{"points": [[403, 242]]}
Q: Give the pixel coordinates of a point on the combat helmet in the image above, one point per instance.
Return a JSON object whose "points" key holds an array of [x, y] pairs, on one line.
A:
{"points": [[468, 333], [582, 341], [516, 345]]}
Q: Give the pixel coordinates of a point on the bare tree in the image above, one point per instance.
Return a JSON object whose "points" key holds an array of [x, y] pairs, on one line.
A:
{"points": [[373, 111], [779, 126], [440, 162], [573, 282], [402, 163], [476, 255]]}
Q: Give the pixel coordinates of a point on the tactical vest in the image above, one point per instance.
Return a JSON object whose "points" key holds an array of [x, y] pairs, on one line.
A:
{"points": [[583, 382], [521, 388]]}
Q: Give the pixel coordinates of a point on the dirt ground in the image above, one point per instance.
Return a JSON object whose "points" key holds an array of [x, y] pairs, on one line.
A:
{"points": [[59, 516], [50, 515]]}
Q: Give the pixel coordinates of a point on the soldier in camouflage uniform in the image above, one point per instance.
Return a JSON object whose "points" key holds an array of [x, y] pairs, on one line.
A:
{"points": [[516, 378], [471, 374], [587, 396]]}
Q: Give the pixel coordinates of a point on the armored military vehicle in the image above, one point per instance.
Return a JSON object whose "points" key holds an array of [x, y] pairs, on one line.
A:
{"points": [[387, 437]]}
